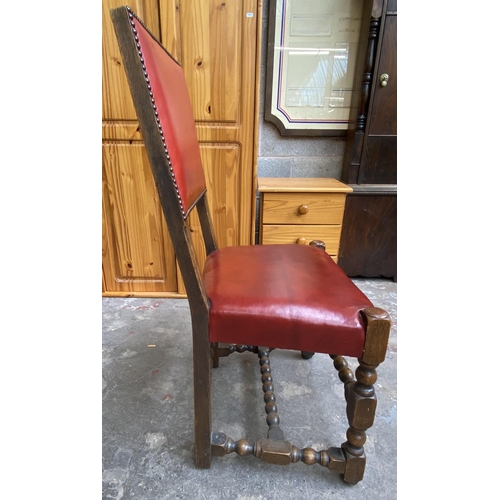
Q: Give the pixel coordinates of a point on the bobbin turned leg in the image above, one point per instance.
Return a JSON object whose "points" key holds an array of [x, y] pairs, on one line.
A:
{"points": [[342, 366], [360, 395], [361, 405], [273, 420]]}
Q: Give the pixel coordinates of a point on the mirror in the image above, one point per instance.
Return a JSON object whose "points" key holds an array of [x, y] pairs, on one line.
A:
{"points": [[312, 49]]}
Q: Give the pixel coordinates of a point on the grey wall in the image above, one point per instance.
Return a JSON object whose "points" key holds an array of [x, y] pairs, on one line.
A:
{"points": [[280, 156]]}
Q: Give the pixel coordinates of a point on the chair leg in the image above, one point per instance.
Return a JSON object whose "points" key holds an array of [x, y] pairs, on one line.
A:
{"points": [[307, 354], [214, 351], [344, 372], [360, 394], [361, 405], [202, 412]]}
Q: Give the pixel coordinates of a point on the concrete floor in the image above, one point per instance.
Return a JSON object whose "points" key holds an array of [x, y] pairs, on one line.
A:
{"points": [[147, 411]]}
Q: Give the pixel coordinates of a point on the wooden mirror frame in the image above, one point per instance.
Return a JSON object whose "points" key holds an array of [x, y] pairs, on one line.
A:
{"points": [[274, 24]]}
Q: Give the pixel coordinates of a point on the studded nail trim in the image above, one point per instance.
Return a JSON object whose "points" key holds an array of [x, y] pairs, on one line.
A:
{"points": [[133, 18]]}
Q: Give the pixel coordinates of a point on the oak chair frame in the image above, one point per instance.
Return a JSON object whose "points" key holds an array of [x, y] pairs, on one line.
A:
{"points": [[349, 459]]}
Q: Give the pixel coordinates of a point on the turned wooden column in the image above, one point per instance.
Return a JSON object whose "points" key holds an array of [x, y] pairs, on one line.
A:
{"points": [[360, 394], [361, 405]]}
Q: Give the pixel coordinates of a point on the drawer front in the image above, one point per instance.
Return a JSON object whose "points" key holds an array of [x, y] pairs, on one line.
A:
{"points": [[317, 208], [293, 234]]}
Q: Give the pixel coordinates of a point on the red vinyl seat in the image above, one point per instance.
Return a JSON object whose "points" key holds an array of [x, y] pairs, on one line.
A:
{"points": [[283, 296]]}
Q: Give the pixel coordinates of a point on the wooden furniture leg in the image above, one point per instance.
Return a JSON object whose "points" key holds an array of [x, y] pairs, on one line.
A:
{"points": [[361, 405], [202, 412], [307, 354], [360, 394], [214, 352]]}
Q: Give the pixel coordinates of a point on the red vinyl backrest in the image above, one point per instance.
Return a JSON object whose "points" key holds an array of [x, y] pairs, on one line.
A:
{"points": [[174, 114]]}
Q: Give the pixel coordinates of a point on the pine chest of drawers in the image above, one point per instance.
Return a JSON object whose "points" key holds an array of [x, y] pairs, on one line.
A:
{"points": [[300, 210]]}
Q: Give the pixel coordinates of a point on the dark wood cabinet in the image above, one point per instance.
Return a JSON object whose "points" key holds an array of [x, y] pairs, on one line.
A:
{"points": [[369, 232], [368, 245]]}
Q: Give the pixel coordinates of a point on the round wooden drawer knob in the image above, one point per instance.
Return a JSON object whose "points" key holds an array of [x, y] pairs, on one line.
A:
{"points": [[301, 241], [303, 209]]}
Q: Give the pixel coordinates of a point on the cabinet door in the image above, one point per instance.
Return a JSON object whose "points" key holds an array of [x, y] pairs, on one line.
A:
{"points": [[137, 251], [379, 158], [216, 44]]}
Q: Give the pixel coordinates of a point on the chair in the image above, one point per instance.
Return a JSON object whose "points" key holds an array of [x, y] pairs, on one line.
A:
{"points": [[249, 298]]}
